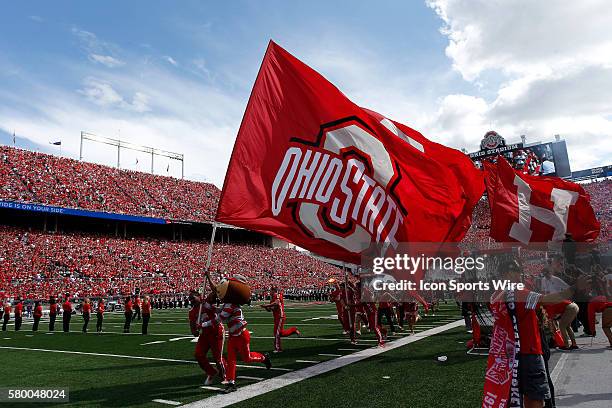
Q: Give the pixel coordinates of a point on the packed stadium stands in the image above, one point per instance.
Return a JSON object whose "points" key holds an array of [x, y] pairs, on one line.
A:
{"points": [[46, 179], [38, 264]]}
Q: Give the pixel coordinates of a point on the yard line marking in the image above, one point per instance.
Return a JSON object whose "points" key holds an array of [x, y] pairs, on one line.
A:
{"points": [[246, 377], [309, 338], [349, 349], [330, 355], [307, 361], [167, 402], [153, 342], [180, 338], [208, 387], [100, 354], [171, 360], [284, 380]]}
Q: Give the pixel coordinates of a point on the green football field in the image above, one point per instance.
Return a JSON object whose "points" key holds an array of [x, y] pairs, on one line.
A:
{"points": [[114, 369]]}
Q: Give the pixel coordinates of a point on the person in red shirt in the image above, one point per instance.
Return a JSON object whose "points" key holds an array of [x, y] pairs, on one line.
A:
{"points": [[136, 305], [128, 314], [371, 315], [337, 297], [412, 313], [533, 377], [86, 310], [210, 337], [385, 309], [566, 311], [99, 315], [7, 315], [38, 312], [18, 314], [66, 314], [146, 314], [277, 307], [52, 313]]}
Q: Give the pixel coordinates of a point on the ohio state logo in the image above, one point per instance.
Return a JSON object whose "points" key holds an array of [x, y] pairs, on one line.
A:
{"points": [[340, 187], [492, 140]]}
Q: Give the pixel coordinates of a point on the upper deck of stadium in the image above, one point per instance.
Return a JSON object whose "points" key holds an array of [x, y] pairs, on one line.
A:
{"points": [[58, 181]]}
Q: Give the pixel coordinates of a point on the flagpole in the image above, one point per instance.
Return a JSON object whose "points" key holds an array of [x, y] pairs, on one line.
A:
{"points": [[207, 269], [346, 288]]}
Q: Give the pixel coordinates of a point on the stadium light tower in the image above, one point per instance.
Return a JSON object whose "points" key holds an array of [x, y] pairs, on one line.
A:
{"points": [[131, 146]]}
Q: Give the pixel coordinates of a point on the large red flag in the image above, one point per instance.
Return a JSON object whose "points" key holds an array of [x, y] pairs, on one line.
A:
{"points": [[311, 167], [528, 208]]}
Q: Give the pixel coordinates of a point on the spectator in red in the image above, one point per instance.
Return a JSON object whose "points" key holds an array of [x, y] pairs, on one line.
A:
{"points": [[52, 313], [7, 315], [146, 314], [18, 314], [86, 310], [128, 314], [38, 312], [99, 315], [66, 314]]}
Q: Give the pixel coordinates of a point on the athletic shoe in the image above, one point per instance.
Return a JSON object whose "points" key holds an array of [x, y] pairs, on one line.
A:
{"points": [[564, 348], [267, 361], [277, 351], [298, 333], [209, 380], [344, 332], [358, 332], [230, 387], [574, 348]]}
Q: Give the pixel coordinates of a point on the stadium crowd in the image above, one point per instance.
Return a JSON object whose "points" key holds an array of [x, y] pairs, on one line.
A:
{"points": [[45, 179], [36, 265]]}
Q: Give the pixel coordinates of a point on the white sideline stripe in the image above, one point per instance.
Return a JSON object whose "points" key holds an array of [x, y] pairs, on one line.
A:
{"points": [[172, 360], [330, 355], [153, 342], [307, 361], [349, 349], [263, 368], [554, 376], [275, 383], [167, 402], [246, 377], [208, 387]]}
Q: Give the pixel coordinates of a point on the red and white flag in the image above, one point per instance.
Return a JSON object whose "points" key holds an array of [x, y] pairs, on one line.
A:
{"points": [[313, 168], [528, 208]]}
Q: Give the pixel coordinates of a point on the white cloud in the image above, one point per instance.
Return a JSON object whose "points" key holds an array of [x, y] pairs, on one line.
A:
{"points": [[101, 93], [170, 60], [35, 18], [554, 61], [107, 60]]}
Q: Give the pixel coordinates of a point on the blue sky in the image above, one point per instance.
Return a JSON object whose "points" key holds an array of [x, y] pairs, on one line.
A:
{"points": [[176, 75]]}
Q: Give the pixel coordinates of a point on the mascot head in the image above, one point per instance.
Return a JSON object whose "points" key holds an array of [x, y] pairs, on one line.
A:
{"points": [[234, 290]]}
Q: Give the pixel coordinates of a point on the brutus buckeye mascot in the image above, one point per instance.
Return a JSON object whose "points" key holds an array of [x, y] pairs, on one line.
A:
{"points": [[235, 292]]}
